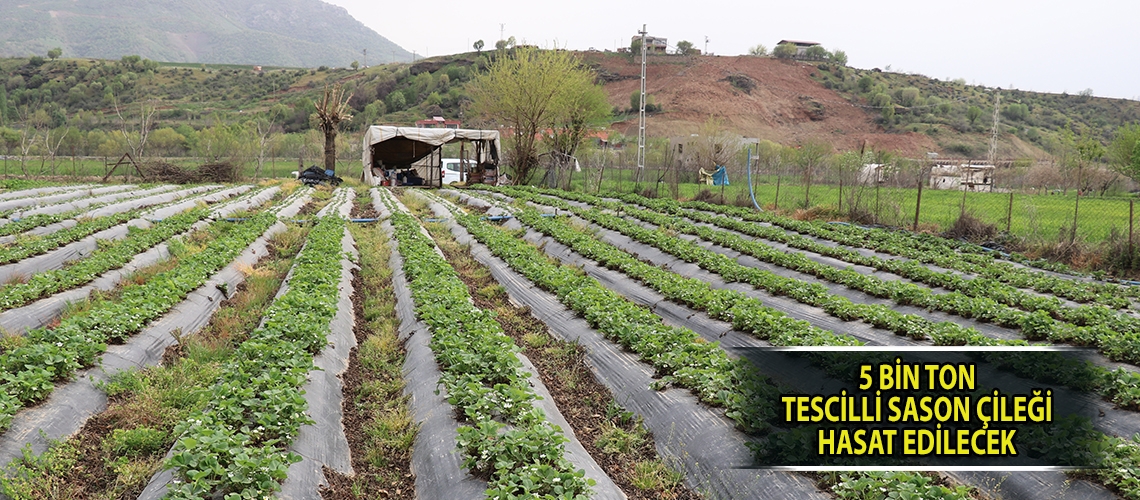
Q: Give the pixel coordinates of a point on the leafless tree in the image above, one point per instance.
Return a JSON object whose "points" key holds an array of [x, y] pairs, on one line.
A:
{"points": [[136, 142], [332, 110]]}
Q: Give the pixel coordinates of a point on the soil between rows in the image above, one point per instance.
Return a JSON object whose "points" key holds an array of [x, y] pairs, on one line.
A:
{"points": [[395, 479], [580, 398]]}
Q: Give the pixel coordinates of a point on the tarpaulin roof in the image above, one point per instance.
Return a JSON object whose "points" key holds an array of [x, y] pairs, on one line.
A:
{"points": [[402, 146]]}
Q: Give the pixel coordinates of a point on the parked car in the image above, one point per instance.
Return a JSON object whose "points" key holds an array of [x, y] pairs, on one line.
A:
{"points": [[452, 170]]}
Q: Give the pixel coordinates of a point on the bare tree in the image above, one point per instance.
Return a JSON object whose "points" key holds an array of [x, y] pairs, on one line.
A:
{"points": [[136, 143], [811, 155], [714, 145], [264, 127], [28, 137], [332, 110]]}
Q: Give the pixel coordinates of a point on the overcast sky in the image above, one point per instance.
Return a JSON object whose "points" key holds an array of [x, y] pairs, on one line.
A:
{"points": [[1046, 45]]}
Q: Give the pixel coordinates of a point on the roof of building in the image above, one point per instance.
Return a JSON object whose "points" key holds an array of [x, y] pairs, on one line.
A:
{"points": [[802, 43]]}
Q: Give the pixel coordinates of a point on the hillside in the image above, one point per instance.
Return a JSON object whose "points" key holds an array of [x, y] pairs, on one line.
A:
{"points": [[753, 96], [790, 101], [295, 33], [959, 117]]}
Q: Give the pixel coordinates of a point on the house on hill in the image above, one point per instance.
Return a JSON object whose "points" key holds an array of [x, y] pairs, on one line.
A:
{"points": [[801, 46], [438, 122], [653, 44]]}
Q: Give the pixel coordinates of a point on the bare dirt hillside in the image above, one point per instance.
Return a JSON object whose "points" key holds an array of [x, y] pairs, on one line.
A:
{"points": [[753, 96]]}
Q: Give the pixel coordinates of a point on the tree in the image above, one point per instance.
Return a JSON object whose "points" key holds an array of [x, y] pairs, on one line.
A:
{"points": [[817, 53], [1124, 151], [713, 146], [635, 46], [1080, 152], [396, 102], [478, 46], [908, 96], [839, 57], [530, 91], [785, 51], [883, 101], [355, 65], [501, 45], [136, 141], [166, 141], [810, 157], [685, 47], [54, 54], [864, 83], [332, 110], [1016, 111], [587, 106], [221, 142], [263, 126], [973, 113], [758, 50]]}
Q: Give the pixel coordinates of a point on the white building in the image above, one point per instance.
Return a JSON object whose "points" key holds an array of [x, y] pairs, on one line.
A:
{"points": [[964, 177]]}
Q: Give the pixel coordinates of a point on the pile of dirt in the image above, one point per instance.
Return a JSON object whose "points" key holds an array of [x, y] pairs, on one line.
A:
{"points": [[755, 97]]}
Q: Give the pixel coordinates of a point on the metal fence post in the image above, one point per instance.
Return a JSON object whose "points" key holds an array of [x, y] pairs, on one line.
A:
{"points": [[1009, 214], [777, 204], [917, 204], [1131, 208]]}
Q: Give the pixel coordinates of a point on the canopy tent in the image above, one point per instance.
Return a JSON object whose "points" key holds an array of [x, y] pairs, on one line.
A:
{"points": [[389, 148]]}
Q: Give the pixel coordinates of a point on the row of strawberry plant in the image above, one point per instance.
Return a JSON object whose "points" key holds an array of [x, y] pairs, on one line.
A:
{"points": [[110, 255], [979, 298], [745, 313], [1120, 455], [29, 246], [22, 224], [923, 248], [46, 355], [1117, 336], [677, 354], [815, 295], [508, 438], [236, 447], [980, 286], [1120, 386]]}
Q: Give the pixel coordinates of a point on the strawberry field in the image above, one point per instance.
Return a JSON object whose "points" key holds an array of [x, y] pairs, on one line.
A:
{"points": [[275, 340]]}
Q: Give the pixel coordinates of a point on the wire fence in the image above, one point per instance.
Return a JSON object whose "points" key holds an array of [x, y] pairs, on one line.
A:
{"points": [[1008, 200], [102, 166], [1002, 203]]}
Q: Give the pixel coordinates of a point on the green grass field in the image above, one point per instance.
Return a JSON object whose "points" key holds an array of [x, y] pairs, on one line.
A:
{"points": [[1041, 218]]}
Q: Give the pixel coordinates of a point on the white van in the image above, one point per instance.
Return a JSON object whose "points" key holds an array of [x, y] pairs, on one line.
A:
{"points": [[452, 169]]}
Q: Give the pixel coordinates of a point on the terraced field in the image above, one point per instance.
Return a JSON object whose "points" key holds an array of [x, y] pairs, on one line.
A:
{"points": [[254, 341]]}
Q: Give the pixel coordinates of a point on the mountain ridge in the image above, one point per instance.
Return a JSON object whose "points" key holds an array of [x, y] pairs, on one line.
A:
{"points": [[294, 33]]}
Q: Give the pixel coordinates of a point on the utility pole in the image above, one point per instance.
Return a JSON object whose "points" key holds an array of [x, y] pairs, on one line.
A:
{"points": [[641, 111], [365, 52], [706, 52], [502, 28]]}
